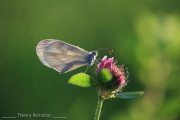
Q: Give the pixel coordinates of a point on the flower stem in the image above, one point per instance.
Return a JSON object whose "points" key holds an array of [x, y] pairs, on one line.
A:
{"points": [[98, 108]]}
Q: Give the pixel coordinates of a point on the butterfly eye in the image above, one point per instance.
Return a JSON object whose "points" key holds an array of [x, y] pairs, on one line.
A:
{"points": [[94, 53]]}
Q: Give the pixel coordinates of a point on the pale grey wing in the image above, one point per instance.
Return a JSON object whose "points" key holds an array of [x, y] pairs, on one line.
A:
{"points": [[61, 56], [64, 63]]}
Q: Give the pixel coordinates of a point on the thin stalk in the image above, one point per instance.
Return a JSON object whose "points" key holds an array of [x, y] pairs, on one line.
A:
{"points": [[98, 108]]}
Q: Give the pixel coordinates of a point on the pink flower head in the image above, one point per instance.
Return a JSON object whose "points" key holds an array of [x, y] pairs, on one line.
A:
{"points": [[118, 76]]}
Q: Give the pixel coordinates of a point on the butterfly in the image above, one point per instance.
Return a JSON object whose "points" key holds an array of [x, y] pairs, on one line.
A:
{"points": [[63, 57]]}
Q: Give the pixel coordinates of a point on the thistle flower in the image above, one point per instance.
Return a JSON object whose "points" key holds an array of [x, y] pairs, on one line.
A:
{"points": [[118, 80]]}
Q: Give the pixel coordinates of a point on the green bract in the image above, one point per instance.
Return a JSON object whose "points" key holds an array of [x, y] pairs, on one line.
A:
{"points": [[105, 76], [80, 79], [128, 95]]}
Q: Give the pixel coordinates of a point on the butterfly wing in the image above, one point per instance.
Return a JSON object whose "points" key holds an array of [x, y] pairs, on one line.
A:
{"points": [[61, 56]]}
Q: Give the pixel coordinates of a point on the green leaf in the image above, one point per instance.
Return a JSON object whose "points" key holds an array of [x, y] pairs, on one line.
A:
{"points": [[80, 79], [105, 76], [129, 95]]}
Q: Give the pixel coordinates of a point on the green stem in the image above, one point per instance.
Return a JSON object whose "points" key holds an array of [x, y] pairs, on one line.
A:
{"points": [[98, 108]]}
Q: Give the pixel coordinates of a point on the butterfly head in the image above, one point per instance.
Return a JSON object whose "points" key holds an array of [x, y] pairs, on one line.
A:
{"points": [[92, 56]]}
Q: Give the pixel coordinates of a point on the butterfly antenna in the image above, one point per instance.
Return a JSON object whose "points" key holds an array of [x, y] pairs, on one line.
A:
{"points": [[110, 50]]}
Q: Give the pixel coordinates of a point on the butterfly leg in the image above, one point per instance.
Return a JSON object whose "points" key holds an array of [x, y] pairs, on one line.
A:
{"points": [[86, 69]]}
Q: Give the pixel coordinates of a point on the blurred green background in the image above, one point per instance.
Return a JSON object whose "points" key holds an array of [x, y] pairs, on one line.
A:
{"points": [[145, 36]]}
